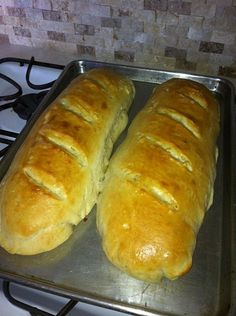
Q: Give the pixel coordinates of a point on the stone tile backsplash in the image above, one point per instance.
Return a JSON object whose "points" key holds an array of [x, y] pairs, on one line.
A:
{"points": [[170, 34]]}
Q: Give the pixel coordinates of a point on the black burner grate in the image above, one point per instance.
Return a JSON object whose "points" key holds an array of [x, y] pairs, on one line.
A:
{"points": [[15, 84], [25, 105], [6, 137], [34, 311]]}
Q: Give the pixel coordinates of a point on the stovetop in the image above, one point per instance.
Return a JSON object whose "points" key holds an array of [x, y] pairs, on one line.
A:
{"points": [[33, 83]]}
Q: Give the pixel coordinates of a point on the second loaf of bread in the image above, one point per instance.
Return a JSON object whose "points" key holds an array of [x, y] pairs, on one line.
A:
{"points": [[55, 177], [160, 183]]}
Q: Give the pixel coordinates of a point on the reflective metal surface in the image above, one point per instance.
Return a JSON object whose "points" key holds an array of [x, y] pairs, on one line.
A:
{"points": [[80, 270]]}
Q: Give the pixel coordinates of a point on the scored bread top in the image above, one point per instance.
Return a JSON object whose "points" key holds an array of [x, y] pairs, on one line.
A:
{"points": [[160, 182], [56, 175]]}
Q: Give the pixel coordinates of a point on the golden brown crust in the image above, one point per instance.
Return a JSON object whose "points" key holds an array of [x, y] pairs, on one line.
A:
{"points": [[159, 183], [56, 175]]}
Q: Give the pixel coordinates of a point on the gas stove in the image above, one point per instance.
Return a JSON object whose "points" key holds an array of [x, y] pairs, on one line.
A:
{"points": [[23, 84]]}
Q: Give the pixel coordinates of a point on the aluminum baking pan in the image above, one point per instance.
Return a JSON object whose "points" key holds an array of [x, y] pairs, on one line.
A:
{"points": [[79, 269]]}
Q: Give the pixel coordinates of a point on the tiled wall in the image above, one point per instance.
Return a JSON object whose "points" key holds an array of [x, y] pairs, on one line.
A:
{"points": [[189, 35]]}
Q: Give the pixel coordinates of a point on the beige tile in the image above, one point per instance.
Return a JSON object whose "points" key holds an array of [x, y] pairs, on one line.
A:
{"points": [[151, 28], [225, 3], [74, 38], [94, 41], [22, 22], [221, 59], [127, 4], [155, 58], [230, 50], [163, 18], [165, 41], [226, 22], [62, 5], [8, 3], [6, 29], [164, 62], [207, 69], [62, 47], [105, 35], [65, 27], [34, 14], [42, 4], [223, 37], [19, 40], [171, 19], [90, 20], [104, 54], [84, 29], [143, 38], [191, 21], [144, 15], [100, 10], [22, 3], [198, 57], [179, 7], [199, 34], [88, 7], [188, 44], [203, 8], [42, 35], [180, 31]]}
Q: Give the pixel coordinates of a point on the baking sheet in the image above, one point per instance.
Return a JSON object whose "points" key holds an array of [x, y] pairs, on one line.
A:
{"points": [[79, 269]]}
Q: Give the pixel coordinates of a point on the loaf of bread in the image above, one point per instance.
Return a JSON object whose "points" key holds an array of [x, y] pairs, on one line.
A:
{"points": [[54, 179], [159, 183]]}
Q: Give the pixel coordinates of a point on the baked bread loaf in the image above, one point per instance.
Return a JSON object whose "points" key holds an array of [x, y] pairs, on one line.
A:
{"points": [[55, 177], [159, 183]]}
